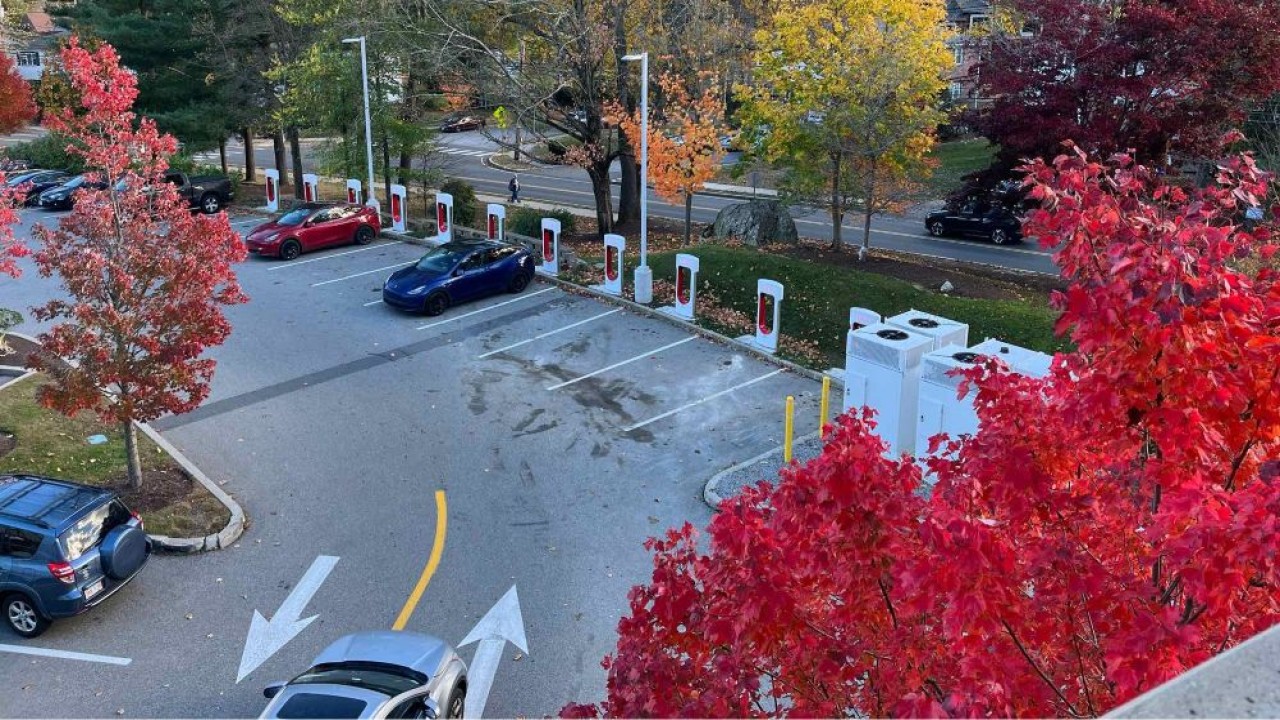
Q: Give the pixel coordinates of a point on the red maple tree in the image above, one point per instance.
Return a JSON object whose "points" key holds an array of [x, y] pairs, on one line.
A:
{"points": [[147, 280], [17, 108], [1149, 76], [1107, 528]]}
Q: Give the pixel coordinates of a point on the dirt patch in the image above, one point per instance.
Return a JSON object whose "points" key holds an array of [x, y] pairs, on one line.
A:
{"points": [[23, 351], [172, 503]]}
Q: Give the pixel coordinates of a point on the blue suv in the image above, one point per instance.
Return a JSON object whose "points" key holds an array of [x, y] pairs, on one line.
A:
{"points": [[64, 548]]}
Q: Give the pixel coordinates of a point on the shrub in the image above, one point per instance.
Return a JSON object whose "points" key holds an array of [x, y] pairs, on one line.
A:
{"points": [[528, 222], [48, 152], [464, 200]]}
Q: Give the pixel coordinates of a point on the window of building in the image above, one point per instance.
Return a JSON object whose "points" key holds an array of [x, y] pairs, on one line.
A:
{"points": [[958, 52], [28, 59], [956, 90]]}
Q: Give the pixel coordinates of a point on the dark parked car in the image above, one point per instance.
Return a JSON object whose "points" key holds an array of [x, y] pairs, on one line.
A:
{"points": [[457, 272], [206, 193], [313, 226], [62, 197], [64, 548], [377, 674], [36, 182], [975, 218], [461, 122]]}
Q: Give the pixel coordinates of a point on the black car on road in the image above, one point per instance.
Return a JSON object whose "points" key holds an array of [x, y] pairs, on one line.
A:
{"points": [[976, 218], [35, 182], [61, 197], [64, 548]]}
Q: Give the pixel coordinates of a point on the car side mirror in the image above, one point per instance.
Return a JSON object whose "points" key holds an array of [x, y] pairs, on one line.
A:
{"points": [[272, 690], [307, 223]]}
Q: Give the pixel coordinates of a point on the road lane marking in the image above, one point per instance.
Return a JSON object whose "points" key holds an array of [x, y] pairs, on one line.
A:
{"points": [[437, 549], [483, 309], [375, 302], [65, 654], [617, 365], [548, 334], [296, 263], [359, 274], [266, 637], [695, 403]]}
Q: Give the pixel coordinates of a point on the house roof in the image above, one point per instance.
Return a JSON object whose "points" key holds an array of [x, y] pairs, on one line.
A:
{"points": [[42, 23]]}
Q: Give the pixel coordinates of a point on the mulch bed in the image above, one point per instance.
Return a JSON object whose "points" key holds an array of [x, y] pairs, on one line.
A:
{"points": [[160, 489]]}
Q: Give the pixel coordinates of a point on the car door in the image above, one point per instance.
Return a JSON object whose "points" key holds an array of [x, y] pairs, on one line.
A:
{"points": [[416, 703], [966, 221], [323, 231], [469, 278], [499, 267]]}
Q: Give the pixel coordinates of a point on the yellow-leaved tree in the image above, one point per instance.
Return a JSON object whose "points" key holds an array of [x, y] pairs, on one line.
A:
{"points": [[845, 99], [684, 144]]}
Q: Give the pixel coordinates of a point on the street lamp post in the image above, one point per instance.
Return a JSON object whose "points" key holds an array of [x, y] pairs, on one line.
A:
{"points": [[368, 124], [644, 276]]}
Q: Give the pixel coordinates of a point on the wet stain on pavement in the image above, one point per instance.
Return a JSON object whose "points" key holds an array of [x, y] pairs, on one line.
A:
{"points": [[520, 426]]}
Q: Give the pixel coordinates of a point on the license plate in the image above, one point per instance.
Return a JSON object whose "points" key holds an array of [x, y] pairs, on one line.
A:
{"points": [[92, 591]]}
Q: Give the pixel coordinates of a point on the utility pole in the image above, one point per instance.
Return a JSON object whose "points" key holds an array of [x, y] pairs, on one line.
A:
{"points": [[515, 155]]}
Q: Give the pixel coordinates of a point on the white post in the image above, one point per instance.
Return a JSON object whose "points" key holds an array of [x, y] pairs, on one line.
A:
{"points": [[496, 224], [686, 287], [273, 188], [614, 247], [644, 275], [310, 187], [766, 335], [353, 191], [550, 247], [444, 218], [368, 124], [399, 219]]}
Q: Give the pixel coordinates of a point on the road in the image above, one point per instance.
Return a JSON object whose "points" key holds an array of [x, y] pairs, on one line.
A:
{"points": [[465, 157], [529, 441]]}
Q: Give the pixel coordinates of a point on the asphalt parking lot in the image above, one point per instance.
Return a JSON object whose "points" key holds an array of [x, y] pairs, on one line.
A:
{"points": [[530, 440]]}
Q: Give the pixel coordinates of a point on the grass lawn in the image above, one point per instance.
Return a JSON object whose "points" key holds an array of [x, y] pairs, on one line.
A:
{"points": [[955, 160], [50, 443], [818, 298]]}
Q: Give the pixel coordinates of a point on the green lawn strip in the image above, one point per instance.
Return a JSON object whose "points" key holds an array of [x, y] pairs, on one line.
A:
{"points": [[955, 160], [50, 443], [818, 297]]}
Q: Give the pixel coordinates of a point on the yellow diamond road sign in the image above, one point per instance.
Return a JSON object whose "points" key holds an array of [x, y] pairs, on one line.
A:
{"points": [[501, 116]]}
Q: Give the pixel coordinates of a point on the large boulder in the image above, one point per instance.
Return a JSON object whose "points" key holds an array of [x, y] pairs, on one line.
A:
{"points": [[758, 222]]}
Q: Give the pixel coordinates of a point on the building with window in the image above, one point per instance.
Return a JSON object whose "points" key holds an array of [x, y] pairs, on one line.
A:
{"points": [[970, 19], [32, 43]]}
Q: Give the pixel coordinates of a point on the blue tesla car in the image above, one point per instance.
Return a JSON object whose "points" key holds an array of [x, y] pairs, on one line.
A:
{"points": [[457, 272]]}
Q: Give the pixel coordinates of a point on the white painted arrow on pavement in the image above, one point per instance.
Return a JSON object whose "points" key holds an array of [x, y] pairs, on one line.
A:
{"points": [[502, 624], [268, 636]]}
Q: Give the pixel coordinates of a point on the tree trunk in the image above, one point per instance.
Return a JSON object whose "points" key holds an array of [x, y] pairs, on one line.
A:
{"points": [[600, 187], [222, 154], [408, 113], [629, 192], [386, 170], [837, 209], [277, 142], [688, 216], [131, 455], [868, 203], [250, 170], [295, 150]]}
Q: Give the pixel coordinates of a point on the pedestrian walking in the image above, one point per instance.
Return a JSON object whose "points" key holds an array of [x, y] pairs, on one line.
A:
{"points": [[514, 187]]}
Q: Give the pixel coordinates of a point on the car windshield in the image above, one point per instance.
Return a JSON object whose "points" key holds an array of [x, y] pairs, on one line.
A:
{"points": [[294, 217], [378, 677], [442, 259], [74, 182]]}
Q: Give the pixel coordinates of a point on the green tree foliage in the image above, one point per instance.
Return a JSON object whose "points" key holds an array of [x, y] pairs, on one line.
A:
{"points": [[464, 200]]}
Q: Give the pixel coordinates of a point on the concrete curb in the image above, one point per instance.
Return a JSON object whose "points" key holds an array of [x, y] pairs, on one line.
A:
{"points": [[220, 540], [711, 489]]}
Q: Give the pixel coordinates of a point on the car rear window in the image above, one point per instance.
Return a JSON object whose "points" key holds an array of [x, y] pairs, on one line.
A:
{"points": [[310, 705], [90, 529]]}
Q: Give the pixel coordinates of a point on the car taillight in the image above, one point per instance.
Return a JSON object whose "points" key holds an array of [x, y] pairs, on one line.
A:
{"points": [[137, 517], [63, 571]]}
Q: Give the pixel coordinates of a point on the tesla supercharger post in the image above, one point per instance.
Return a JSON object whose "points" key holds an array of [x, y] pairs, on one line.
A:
{"points": [[496, 222], [614, 247], [399, 211], [354, 195], [550, 247], [859, 317], [768, 314], [273, 189], [444, 218], [686, 287], [310, 187]]}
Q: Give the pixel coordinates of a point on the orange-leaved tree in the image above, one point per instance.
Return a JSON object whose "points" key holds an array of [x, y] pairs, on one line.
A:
{"points": [[146, 280], [682, 162]]}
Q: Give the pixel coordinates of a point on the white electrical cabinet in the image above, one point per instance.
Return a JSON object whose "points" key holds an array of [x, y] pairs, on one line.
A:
{"points": [[944, 331], [1031, 363], [882, 371], [941, 411]]}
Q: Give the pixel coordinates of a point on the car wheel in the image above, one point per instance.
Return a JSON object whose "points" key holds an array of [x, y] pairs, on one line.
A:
{"points": [[210, 204], [457, 702], [22, 616], [290, 250], [999, 236], [519, 282], [937, 229], [364, 235], [435, 304]]}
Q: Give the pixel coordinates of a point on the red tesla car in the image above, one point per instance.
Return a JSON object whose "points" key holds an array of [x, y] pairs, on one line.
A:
{"points": [[314, 226]]}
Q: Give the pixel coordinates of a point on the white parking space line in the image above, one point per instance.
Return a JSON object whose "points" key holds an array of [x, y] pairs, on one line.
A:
{"points": [[548, 334], [695, 403], [296, 263], [617, 365], [402, 263], [64, 654], [375, 302], [483, 309]]}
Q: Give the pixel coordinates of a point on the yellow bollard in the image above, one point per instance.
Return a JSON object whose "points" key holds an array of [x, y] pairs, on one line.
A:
{"points": [[825, 406], [786, 432]]}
